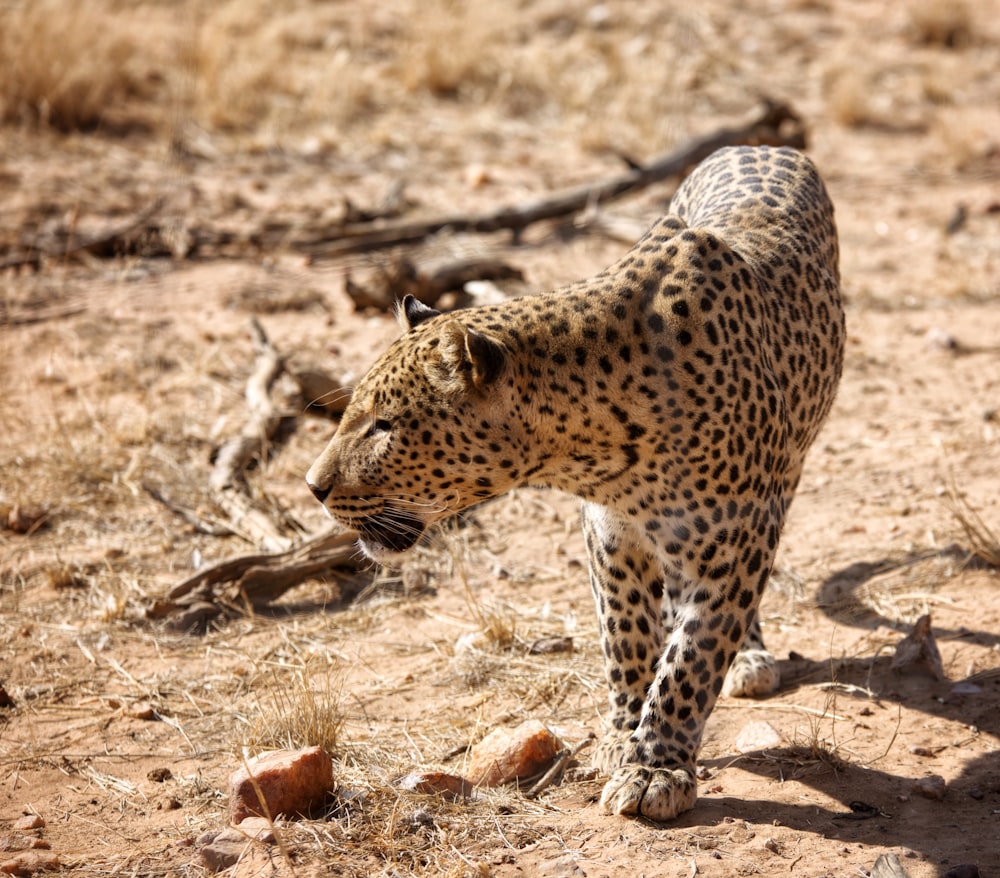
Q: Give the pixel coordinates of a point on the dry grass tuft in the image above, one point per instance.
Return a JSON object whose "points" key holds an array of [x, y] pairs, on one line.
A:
{"points": [[300, 709], [983, 541], [73, 65], [945, 23]]}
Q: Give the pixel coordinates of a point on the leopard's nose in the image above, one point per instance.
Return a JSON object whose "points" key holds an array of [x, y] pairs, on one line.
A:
{"points": [[319, 493]]}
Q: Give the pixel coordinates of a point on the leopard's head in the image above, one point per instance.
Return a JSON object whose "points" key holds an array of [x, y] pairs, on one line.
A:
{"points": [[425, 434]]}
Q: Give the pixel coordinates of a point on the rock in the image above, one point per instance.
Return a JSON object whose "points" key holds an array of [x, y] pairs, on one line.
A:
{"points": [[257, 829], [918, 651], [31, 821], [438, 783], [931, 787], [30, 862], [18, 842], [549, 645], [757, 735], [505, 755], [220, 849], [141, 710], [888, 866], [290, 781]]}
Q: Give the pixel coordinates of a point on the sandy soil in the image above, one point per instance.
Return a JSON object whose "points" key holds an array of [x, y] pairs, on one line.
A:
{"points": [[126, 373]]}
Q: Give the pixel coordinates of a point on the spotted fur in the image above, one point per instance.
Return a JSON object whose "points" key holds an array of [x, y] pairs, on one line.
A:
{"points": [[676, 393]]}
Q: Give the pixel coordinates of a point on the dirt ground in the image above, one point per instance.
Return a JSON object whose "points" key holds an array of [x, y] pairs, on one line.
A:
{"points": [[225, 133]]}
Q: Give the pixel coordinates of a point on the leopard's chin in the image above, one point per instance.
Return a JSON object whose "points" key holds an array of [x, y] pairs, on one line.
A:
{"points": [[391, 533]]}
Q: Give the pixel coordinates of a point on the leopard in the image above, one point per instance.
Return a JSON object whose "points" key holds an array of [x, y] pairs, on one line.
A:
{"points": [[676, 393]]}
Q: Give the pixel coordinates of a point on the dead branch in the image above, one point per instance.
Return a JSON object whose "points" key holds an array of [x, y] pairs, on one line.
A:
{"points": [[261, 577], [263, 420], [775, 124], [429, 283]]}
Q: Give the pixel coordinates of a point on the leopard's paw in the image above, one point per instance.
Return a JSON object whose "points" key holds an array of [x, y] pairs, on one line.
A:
{"points": [[754, 672], [655, 793]]}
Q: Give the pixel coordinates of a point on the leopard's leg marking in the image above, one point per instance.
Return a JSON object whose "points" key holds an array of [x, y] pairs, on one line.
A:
{"points": [[628, 592], [655, 773], [754, 672]]}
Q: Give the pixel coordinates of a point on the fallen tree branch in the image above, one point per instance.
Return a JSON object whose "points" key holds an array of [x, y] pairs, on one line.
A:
{"points": [[257, 578], [261, 577], [776, 124], [234, 456]]}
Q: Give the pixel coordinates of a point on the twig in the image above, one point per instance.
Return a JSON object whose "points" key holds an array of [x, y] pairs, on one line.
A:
{"points": [[775, 124], [188, 515]]}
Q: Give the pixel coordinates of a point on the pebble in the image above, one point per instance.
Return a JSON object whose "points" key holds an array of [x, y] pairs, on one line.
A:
{"points": [[220, 848], [30, 821], [290, 781], [30, 862], [757, 735], [931, 787], [439, 783]]}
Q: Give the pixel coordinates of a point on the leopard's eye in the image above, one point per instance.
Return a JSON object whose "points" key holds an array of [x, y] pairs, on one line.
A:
{"points": [[379, 426]]}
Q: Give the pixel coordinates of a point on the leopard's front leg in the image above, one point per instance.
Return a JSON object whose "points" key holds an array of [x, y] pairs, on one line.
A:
{"points": [[654, 775], [630, 597]]}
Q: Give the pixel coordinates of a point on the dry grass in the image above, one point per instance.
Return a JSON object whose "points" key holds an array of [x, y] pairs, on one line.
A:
{"points": [[982, 541], [74, 65], [947, 23], [297, 707]]}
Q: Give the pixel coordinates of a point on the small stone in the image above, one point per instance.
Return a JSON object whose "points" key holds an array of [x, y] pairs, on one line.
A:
{"points": [[438, 783], [922, 751], [505, 755], [290, 781], [220, 849], [549, 645], [757, 735], [258, 829], [941, 339], [931, 787], [141, 710], [25, 520], [918, 651], [159, 775], [29, 821], [30, 862]]}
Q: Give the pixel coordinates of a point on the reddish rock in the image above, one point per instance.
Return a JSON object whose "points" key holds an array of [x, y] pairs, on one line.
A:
{"points": [[291, 782], [505, 755], [438, 783], [931, 787], [30, 862], [30, 821], [220, 849]]}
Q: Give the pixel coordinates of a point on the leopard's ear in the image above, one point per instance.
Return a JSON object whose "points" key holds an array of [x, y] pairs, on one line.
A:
{"points": [[466, 359], [412, 313]]}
